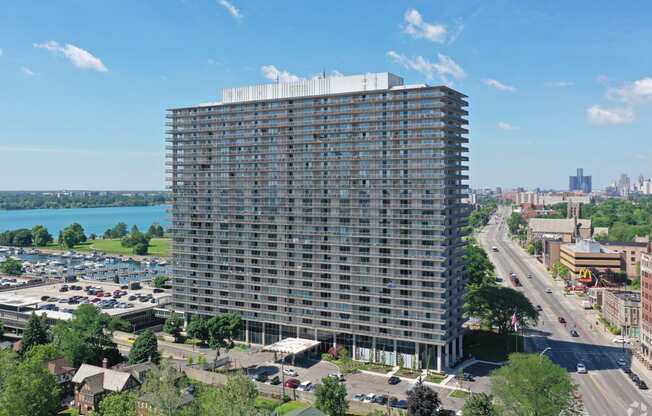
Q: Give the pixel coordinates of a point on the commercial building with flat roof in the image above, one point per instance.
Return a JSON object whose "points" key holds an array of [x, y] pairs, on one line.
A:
{"points": [[622, 309], [327, 209], [589, 254]]}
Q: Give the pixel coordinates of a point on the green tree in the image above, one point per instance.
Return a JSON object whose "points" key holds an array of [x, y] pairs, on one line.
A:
{"points": [[145, 348], [137, 241], [221, 331], [92, 237], [118, 404], [479, 404], [159, 281], [515, 223], [495, 306], [29, 390], [331, 397], [160, 388], [173, 325], [11, 267], [140, 249], [41, 236], [197, 328], [119, 230], [478, 267], [236, 398], [73, 235], [560, 270], [22, 238], [155, 231], [422, 401], [87, 337], [36, 333], [532, 385], [42, 353]]}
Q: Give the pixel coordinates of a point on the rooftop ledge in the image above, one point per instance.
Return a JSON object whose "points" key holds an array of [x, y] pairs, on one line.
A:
{"points": [[314, 86]]}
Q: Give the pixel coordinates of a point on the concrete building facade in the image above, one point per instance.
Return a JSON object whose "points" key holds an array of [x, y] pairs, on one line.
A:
{"points": [[326, 209], [580, 182], [589, 254], [646, 308], [622, 309]]}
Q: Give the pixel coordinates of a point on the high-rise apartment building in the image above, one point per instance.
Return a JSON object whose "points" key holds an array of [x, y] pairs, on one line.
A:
{"points": [[327, 209], [580, 182], [646, 308]]}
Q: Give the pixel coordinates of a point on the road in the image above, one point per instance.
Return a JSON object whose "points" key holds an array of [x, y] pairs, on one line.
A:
{"points": [[605, 390]]}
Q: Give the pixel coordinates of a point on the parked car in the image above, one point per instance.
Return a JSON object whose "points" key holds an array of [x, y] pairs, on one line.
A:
{"points": [[620, 340], [304, 386], [581, 368], [290, 372], [401, 404], [574, 333], [381, 399], [641, 385], [292, 383], [634, 377], [358, 397], [539, 308], [393, 380], [548, 290], [337, 376], [561, 320], [622, 362], [369, 398], [529, 275], [274, 381], [259, 376], [392, 401], [468, 377]]}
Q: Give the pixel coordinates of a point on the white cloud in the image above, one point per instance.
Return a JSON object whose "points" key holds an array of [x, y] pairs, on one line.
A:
{"points": [[444, 67], [275, 74], [27, 71], [604, 116], [233, 11], [418, 29], [499, 85], [77, 56], [634, 92], [506, 126], [558, 84]]}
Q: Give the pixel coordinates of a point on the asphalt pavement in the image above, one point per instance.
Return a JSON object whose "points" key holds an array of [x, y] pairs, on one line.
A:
{"points": [[605, 390]]}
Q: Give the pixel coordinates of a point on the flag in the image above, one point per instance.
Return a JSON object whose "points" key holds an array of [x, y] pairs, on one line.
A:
{"points": [[515, 322]]}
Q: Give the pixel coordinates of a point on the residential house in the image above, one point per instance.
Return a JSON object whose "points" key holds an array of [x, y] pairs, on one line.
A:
{"points": [[92, 383], [63, 371]]}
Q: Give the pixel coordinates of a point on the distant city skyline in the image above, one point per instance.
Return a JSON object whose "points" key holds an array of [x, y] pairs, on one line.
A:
{"points": [[82, 102]]}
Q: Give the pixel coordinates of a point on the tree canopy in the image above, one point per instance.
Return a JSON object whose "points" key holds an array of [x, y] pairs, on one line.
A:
{"points": [[479, 404], [161, 390], [532, 385], [73, 235], [86, 338], [479, 268], [236, 398], [173, 325], [118, 404], [517, 225], [41, 236], [422, 401], [495, 305], [145, 348], [11, 267], [330, 397], [36, 333]]}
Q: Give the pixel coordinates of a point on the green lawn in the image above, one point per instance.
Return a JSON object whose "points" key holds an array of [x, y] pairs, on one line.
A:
{"points": [[157, 247], [489, 346], [459, 394], [408, 373], [288, 407], [266, 403], [376, 368], [435, 378]]}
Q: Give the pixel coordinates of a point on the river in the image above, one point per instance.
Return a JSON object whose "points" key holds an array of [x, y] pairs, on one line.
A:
{"points": [[94, 220]]}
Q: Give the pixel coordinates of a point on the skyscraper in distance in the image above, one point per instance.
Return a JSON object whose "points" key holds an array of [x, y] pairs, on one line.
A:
{"points": [[580, 182], [327, 209]]}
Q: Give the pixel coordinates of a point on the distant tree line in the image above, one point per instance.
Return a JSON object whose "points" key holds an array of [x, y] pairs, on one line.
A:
{"points": [[625, 219], [21, 200], [480, 217], [74, 234]]}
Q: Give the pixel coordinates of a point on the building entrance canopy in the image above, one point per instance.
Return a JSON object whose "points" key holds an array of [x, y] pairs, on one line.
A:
{"points": [[292, 346]]}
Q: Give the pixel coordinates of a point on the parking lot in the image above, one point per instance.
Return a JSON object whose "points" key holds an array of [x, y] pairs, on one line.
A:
{"points": [[111, 298], [480, 373]]}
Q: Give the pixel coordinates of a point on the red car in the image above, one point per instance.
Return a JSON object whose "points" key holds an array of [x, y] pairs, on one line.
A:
{"points": [[292, 383]]}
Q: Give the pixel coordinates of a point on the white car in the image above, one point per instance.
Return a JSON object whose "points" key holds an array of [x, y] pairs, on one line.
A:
{"points": [[620, 340], [581, 368], [290, 372], [358, 397], [305, 386], [369, 398], [337, 376], [548, 290]]}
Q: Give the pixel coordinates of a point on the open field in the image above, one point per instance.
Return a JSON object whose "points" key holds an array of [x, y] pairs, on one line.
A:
{"points": [[157, 247]]}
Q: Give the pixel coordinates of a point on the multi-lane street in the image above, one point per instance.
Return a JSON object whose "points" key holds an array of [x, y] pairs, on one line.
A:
{"points": [[605, 389]]}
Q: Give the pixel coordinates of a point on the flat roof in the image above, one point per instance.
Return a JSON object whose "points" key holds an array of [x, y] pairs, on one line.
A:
{"points": [[28, 296], [315, 86], [292, 345], [588, 246]]}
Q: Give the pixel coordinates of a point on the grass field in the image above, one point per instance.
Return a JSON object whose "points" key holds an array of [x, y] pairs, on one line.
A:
{"points": [[459, 394], [157, 247], [288, 407]]}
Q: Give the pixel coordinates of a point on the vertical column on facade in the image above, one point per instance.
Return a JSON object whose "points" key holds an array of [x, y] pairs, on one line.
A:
{"points": [[373, 349], [417, 355], [335, 341], [247, 332], [263, 341], [353, 348], [297, 332], [315, 334], [396, 361], [460, 342], [453, 351], [447, 354], [439, 368]]}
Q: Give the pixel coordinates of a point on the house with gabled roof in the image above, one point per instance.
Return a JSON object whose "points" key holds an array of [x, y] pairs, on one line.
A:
{"points": [[92, 383]]}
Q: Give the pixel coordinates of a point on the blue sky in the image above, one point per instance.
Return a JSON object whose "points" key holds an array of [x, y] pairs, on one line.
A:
{"points": [[552, 85]]}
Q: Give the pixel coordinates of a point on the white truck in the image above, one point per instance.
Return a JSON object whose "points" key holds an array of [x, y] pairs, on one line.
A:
{"points": [[586, 304]]}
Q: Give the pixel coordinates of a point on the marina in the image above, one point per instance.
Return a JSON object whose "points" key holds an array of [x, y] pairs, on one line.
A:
{"points": [[71, 265]]}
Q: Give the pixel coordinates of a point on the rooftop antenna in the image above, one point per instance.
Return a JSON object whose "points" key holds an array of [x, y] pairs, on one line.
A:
{"points": [[323, 71]]}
